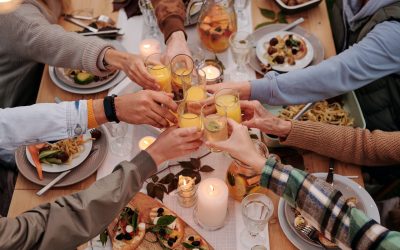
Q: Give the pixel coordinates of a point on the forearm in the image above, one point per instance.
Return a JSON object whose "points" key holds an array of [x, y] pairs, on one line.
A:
{"points": [[72, 220], [170, 16], [364, 62], [311, 197], [347, 144]]}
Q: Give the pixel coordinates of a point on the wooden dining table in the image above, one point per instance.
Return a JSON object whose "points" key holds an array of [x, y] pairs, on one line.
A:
{"points": [[316, 22]]}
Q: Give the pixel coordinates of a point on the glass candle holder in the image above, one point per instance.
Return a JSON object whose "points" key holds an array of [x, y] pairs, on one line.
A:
{"points": [[187, 196], [214, 71]]}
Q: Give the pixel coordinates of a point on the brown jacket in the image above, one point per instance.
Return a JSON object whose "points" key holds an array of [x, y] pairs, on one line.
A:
{"points": [[74, 219], [347, 144]]}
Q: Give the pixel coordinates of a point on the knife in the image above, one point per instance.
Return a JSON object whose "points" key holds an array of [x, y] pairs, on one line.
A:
{"points": [[80, 24], [62, 175]]}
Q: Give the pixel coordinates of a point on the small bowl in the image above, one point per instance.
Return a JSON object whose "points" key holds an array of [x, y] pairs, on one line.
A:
{"points": [[297, 8]]}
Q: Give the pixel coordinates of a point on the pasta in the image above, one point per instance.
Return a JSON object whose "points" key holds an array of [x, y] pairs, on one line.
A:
{"points": [[331, 113]]}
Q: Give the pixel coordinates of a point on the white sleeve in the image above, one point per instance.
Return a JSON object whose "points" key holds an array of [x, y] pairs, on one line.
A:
{"points": [[42, 122]]}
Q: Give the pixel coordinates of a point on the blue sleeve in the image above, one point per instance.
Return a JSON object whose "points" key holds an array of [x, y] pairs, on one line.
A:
{"points": [[375, 56], [42, 122]]}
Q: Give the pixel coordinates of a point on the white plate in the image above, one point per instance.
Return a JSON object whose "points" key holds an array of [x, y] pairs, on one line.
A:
{"points": [[55, 168], [302, 63], [348, 188], [60, 73]]}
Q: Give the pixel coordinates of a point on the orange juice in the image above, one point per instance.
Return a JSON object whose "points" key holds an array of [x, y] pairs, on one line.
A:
{"points": [[162, 74], [181, 75], [195, 93], [188, 120], [229, 105]]}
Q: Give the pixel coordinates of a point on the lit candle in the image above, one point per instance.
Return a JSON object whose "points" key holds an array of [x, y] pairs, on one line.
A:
{"points": [[148, 47], [212, 202], [212, 73], [186, 191], [146, 141]]}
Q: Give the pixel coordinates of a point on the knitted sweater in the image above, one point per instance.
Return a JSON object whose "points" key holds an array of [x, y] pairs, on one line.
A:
{"points": [[347, 144]]}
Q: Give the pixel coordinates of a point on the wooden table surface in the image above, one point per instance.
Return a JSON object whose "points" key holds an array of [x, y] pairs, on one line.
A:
{"points": [[316, 22]]}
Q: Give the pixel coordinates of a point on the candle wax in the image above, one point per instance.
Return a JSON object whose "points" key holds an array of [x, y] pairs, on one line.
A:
{"points": [[212, 72], [146, 141]]}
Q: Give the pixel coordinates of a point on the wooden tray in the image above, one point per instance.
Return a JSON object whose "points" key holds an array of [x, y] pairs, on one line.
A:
{"points": [[145, 203]]}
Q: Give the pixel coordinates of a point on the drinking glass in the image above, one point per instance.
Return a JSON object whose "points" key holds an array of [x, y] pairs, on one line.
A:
{"points": [[227, 103], [215, 125], [189, 115], [121, 145], [241, 43], [257, 209], [181, 67], [195, 90], [146, 7], [198, 54], [240, 6], [159, 68]]}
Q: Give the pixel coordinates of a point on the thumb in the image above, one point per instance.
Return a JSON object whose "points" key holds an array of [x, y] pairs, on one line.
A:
{"points": [[249, 123]]}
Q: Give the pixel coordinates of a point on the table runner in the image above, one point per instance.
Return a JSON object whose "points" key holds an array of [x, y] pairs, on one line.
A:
{"points": [[227, 237]]}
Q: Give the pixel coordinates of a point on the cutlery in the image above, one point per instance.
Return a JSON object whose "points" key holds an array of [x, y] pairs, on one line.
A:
{"points": [[329, 178], [351, 176], [117, 32], [57, 99], [310, 232], [80, 24], [62, 175], [303, 110], [101, 18], [292, 25]]}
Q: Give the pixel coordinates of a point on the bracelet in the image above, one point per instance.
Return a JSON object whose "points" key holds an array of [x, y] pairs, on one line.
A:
{"points": [[109, 108]]}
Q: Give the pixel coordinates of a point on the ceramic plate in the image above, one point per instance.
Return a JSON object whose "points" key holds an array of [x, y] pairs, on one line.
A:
{"points": [[302, 63], [348, 187], [60, 73], [55, 168]]}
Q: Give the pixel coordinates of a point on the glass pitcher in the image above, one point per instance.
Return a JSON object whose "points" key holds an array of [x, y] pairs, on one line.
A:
{"points": [[241, 179], [216, 24]]}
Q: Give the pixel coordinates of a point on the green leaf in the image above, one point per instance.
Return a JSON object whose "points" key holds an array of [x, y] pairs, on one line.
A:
{"points": [[135, 220], [104, 237], [187, 245], [268, 13], [282, 18], [47, 153], [165, 220], [206, 169], [231, 179], [264, 24], [167, 179]]}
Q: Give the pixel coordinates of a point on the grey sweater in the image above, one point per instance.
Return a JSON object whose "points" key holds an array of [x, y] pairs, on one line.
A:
{"points": [[29, 37]]}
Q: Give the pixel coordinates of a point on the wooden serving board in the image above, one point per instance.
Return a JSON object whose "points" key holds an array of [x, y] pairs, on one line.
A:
{"points": [[144, 204]]}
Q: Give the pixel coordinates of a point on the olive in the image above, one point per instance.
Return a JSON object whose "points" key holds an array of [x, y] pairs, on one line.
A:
{"points": [[271, 50], [294, 51], [127, 236], [279, 59], [175, 238], [160, 210], [191, 238], [170, 242], [196, 243], [120, 237], [162, 232], [62, 156], [95, 133], [273, 41], [288, 43]]}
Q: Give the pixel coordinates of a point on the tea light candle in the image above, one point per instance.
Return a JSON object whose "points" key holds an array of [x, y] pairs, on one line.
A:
{"points": [[212, 203], [146, 141], [212, 72], [148, 47], [186, 191]]}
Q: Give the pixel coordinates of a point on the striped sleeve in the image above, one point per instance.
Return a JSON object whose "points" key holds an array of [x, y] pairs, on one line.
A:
{"points": [[325, 208]]}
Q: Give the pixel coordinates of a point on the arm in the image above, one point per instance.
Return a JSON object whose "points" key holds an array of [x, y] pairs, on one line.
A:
{"points": [[74, 219], [170, 16], [348, 144], [375, 56], [31, 35], [311, 196]]}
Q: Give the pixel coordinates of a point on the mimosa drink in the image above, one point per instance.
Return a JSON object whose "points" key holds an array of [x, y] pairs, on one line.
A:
{"points": [[229, 104], [188, 120], [162, 74], [195, 93]]}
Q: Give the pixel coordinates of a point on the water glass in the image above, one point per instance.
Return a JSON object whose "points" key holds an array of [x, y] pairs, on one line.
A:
{"points": [[240, 6], [120, 145], [257, 209], [146, 7], [241, 44], [198, 54]]}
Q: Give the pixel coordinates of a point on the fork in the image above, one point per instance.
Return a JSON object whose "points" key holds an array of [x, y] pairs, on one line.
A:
{"points": [[310, 232]]}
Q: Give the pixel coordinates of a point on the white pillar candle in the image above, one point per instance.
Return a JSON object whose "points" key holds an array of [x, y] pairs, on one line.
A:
{"points": [[212, 72], [145, 142], [148, 47], [212, 202]]}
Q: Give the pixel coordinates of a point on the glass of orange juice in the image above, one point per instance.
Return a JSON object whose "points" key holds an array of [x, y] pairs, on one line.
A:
{"points": [[215, 125], [227, 103], [189, 115], [181, 67], [195, 91], [160, 69]]}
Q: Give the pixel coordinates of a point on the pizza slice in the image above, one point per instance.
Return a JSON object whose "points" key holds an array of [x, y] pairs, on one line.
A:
{"points": [[195, 242], [129, 230], [167, 226]]}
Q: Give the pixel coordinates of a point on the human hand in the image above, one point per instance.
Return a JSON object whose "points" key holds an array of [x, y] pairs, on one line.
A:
{"points": [[146, 107], [133, 66], [242, 87], [240, 146], [176, 44], [256, 116], [175, 142]]}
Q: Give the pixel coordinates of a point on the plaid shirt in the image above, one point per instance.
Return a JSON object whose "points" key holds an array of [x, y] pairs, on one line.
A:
{"points": [[325, 208]]}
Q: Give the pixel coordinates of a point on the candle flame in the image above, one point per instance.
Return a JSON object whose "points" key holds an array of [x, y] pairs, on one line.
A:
{"points": [[212, 188], [184, 182], [146, 46]]}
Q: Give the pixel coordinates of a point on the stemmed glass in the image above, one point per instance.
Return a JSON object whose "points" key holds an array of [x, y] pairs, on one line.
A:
{"points": [[240, 6], [150, 19], [121, 145], [257, 209], [241, 43]]}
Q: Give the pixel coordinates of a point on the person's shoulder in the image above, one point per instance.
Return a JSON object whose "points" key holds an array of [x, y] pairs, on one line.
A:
{"points": [[387, 27]]}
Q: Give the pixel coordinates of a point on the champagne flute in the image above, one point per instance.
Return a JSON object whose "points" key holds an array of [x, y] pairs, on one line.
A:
{"points": [[240, 6], [241, 43], [146, 7], [227, 103], [160, 69]]}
